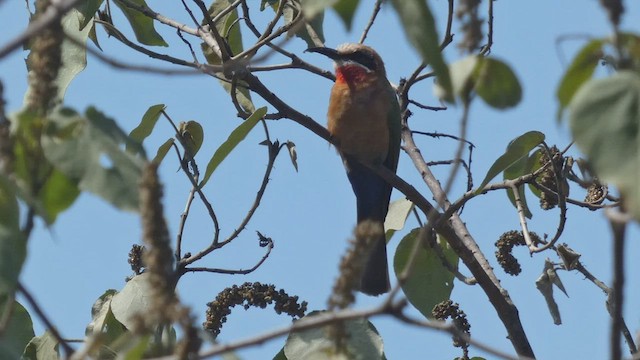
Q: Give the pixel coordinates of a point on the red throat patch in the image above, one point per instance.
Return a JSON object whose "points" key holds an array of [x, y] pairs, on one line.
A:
{"points": [[350, 74]]}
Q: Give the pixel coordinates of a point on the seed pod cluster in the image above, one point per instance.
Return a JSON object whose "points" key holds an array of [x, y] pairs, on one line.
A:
{"points": [[248, 295]]}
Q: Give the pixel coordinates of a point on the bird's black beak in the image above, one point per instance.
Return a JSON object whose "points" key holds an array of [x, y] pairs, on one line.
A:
{"points": [[328, 52]]}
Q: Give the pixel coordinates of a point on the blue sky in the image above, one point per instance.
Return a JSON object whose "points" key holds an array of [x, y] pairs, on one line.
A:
{"points": [[310, 214]]}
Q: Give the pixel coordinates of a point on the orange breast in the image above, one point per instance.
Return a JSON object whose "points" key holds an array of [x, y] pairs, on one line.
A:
{"points": [[357, 119]]}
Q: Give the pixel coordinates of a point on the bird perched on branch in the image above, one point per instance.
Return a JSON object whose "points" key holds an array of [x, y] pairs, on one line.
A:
{"points": [[364, 120]]}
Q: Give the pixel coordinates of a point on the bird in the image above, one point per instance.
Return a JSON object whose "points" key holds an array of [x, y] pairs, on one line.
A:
{"points": [[364, 121]]}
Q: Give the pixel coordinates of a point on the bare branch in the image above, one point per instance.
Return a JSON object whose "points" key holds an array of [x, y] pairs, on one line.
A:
{"points": [[372, 19], [233, 272]]}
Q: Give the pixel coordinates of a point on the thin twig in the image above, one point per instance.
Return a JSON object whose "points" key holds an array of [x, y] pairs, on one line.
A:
{"points": [[273, 154], [372, 19], [139, 68], [427, 107], [233, 272], [194, 184], [562, 204], [464, 119], [183, 221], [608, 291], [486, 49], [223, 45]]}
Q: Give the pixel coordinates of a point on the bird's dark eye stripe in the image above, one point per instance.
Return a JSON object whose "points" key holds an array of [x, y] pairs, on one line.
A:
{"points": [[364, 59]]}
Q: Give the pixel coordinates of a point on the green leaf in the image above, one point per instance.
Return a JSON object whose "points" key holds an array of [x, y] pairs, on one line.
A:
{"points": [[94, 37], [234, 39], [99, 311], [88, 150], [491, 79], [236, 136], [108, 335], [534, 163], [87, 10], [225, 29], [604, 116], [43, 347], [58, 194], [141, 24], [580, 71], [462, 81], [148, 122], [192, 136], [311, 8], [429, 282], [420, 28], [280, 355], [362, 342], [519, 168], [162, 151], [13, 244], [73, 57], [497, 84], [112, 329], [346, 9], [9, 210], [134, 299], [18, 331], [517, 148], [311, 28], [397, 215]]}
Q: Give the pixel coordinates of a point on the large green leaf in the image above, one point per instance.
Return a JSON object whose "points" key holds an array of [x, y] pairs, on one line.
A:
{"points": [[88, 149], [419, 26], [87, 10], [462, 82], [604, 120], [73, 57], [58, 194], [236, 136], [9, 210], [43, 347], [18, 331], [429, 281], [99, 311], [134, 299], [363, 342], [141, 24], [312, 22], [517, 148], [580, 70], [13, 245], [491, 79], [497, 84], [346, 9], [312, 8], [162, 151], [148, 122]]}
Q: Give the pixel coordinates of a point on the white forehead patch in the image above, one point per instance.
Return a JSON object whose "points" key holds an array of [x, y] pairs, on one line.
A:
{"points": [[348, 47]]}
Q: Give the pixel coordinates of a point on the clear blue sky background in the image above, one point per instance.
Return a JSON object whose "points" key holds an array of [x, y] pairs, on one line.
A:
{"points": [[311, 213]]}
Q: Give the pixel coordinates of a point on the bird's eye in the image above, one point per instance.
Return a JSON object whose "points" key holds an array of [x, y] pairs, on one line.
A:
{"points": [[364, 59]]}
